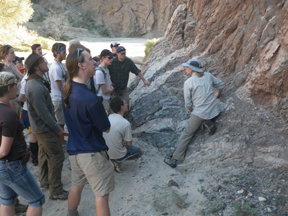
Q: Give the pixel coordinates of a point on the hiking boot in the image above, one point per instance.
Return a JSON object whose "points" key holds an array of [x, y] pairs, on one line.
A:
{"points": [[171, 162], [20, 208], [116, 166], [210, 126], [61, 196]]}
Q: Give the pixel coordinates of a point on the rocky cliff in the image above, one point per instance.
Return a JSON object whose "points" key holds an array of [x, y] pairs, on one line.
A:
{"points": [[243, 43], [122, 18]]}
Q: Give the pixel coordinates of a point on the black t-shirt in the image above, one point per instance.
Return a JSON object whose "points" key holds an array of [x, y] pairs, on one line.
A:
{"points": [[11, 126]]}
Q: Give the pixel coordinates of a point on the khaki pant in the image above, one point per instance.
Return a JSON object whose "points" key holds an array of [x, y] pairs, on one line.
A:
{"points": [[106, 105], [50, 161], [192, 126]]}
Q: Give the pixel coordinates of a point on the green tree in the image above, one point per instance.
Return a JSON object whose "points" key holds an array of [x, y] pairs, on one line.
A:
{"points": [[13, 12]]}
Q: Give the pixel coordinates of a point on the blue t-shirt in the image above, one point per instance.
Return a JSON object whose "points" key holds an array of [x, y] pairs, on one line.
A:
{"points": [[86, 120]]}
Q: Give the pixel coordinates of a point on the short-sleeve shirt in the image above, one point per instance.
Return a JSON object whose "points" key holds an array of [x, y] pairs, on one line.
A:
{"points": [[57, 71], [120, 130], [86, 120], [119, 72], [101, 78], [11, 126]]}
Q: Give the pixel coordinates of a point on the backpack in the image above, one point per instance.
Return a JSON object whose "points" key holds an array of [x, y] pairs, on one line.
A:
{"points": [[91, 81]]}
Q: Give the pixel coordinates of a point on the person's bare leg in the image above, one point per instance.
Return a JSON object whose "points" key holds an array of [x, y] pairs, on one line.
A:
{"points": [[102, 205], [74, 197], [34, 211], [33, 138], [62, 136], [7, 210]]}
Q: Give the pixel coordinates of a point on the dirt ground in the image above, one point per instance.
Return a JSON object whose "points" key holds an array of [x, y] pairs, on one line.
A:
{"points": [[146, 186]]}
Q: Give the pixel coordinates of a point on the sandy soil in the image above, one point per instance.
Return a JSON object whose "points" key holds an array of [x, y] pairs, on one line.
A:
{"points": [[142, 188]]}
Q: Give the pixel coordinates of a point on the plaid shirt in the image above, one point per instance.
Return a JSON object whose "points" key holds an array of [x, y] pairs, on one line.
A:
{"points": [[119, 72]]}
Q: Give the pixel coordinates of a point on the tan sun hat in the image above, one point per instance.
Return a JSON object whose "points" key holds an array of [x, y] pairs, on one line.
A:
{"points": [[31, 60]]}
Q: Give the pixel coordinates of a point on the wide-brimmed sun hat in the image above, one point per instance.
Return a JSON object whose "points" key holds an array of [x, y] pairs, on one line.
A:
{"points": [[193, 64], [31, 60]]}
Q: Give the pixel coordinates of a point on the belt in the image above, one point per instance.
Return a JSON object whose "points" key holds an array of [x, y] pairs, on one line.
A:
{"points": [[5, 160]]}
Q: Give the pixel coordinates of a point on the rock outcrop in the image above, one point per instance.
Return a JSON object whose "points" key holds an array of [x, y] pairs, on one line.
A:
{"points": [[245, 45], [127, 18], [123, 18]]}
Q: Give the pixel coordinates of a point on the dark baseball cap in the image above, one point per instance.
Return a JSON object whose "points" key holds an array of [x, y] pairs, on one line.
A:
{"points": [[121, 50], [18, 59]]}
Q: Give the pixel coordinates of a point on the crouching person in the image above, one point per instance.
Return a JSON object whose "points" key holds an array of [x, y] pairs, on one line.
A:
{"points": [[86, 120], [119, 139]]}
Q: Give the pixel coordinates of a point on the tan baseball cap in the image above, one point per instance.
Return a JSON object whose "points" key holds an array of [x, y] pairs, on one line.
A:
{"points": [[7, 78]]}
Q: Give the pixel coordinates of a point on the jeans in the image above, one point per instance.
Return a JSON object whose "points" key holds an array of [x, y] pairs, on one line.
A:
{"points": [[132, 152], [16, 179]]}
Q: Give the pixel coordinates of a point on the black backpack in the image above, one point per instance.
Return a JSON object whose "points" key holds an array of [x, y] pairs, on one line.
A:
{"points": [[91, 81]]}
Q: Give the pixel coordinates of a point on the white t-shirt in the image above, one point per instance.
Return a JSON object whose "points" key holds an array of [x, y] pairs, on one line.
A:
{"points": [[99, 79], [57, 71], [120, 130], [23, 84]]}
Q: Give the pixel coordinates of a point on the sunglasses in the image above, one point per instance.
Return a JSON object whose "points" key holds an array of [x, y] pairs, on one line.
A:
{"points": [[79, 50], [109, 57]]}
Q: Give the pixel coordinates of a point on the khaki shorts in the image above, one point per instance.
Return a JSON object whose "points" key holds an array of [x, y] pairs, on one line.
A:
{"points": [[59, 112], [94, 169]]}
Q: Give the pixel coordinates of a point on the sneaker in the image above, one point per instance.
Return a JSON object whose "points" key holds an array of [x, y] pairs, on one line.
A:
{"points": [[61, 196], [171, 162], [116, 166], [210, 126], [20, 208]]}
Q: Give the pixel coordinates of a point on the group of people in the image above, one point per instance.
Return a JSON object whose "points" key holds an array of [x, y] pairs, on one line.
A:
{"points": [[90, 97]]}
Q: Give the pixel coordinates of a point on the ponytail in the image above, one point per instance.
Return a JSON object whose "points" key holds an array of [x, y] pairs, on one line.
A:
{"points": [[72, 61], [67, 91]]}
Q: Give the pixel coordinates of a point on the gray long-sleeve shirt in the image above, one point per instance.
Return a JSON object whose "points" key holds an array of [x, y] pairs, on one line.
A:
{"points": [[40, 107], [199, 95]]}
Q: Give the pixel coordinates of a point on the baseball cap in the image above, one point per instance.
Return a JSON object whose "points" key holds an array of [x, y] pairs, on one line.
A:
{"points": [[7, 78], [113, 44], [18, 59], [193, 64], [121, 50], [34, 46]]}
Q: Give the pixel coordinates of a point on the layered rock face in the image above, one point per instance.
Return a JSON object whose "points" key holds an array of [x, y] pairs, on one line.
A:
{"points": [[244, 43], [127, 18], [123, 18]]}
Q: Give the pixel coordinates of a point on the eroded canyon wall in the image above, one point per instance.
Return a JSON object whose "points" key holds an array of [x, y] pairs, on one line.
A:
{"points": [[244, 43]]}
